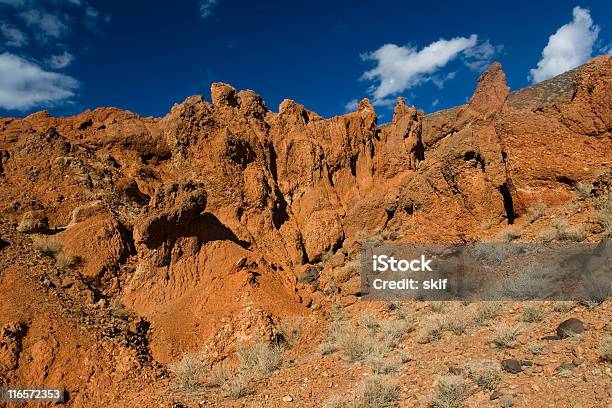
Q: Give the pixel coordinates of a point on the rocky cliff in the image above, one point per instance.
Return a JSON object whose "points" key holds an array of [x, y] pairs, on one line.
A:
{"points": [[208, 225]]}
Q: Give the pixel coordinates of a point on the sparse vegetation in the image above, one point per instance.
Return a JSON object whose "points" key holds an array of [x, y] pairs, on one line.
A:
{"points": [[603, 205], [583, 190], [237, 386], [219, 374], [334, 402], [370, 340], [432, 330], [486, 312], [32, 222], [259, 360], [53, 248], [377, 392], [605, 349], [486, 375], [506, 335], [563, 306], [509, 234], [533, 314], [562, 231], [536, 211], [536, 348], [188, 371], [451, 392]]}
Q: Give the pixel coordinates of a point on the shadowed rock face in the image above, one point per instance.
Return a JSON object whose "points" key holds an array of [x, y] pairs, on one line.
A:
{"points": [[219, 206]]}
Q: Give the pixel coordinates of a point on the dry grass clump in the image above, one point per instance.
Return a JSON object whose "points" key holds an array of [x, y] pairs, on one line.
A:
{"points": [[335, 401], [486, 374], [432, 330], [562, 231], [237, 387], [369, 340], [536, 211], [486, 312], [506, 335], [509, 234], [52, 248], [533, 314], [255, 362], [377, 392], [219, 374], [188, 371], [457, 322], [583, 190], [603, 205], [33, 222], [259, 360], [451, 392], [563, 306], [536, 348], [605, 349]]}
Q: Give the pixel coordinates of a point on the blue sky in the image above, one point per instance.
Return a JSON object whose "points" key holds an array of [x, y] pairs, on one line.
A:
{"points": [[144, 56]]}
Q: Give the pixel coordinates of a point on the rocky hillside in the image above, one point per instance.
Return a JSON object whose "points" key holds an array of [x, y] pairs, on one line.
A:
{"points": [[129, 241]]}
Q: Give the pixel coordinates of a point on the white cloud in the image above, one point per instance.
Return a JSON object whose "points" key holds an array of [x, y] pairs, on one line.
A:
{"points": [[351, 106], [60, 61], [607, 49], [439, 80], [435, 102], [569, 47], [13, 36], [478, 58], [24, 84], [48, 24], [400, 68], [206, 8]]}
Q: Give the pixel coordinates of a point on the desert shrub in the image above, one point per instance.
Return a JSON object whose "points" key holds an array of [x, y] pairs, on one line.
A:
{"points": [[536, 211], [509, 234], [237, 387], [259, 360], [605, 349], [335, 401], [432, 330], [355, 346], [536, 348], [187, 372], [547, 235], [486, 312], [32, 222], [533, 314], [393, 331], [381, 365], [219, 374], [486, 375], [377, 392], [565, 232], [53, 248], [451, 392], [603, 205], [506, 335], [438, 307], [47, 246], [563, 306], [583, 190]]}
